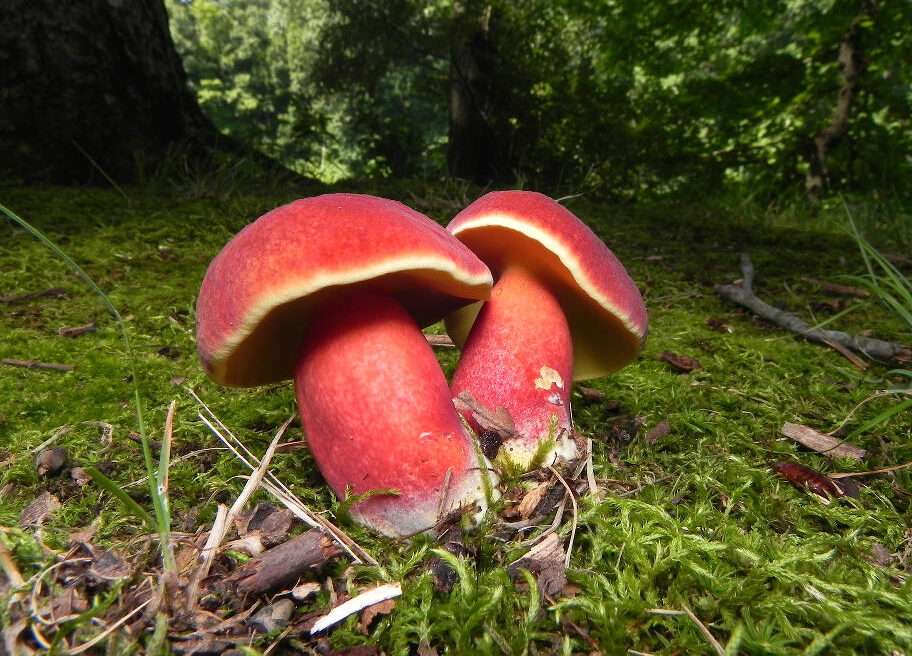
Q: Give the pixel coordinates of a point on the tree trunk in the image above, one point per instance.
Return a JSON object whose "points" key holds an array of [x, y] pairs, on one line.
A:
{"points": [[89, 86], [852, 64], [472, 149]]}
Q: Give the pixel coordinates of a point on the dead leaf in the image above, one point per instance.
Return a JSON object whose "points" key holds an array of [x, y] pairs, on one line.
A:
{"points": [[40, 509], [83, 537], [683, 363], [718, 325], [824, 444], [498, 421], [658, 431], [426, 649], [805, 478], [880, 555], [108, 566], [372, 612], [546, 561], [532, 499], [590, 394]]}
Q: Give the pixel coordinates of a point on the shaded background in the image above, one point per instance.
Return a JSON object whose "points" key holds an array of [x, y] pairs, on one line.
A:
{"points": [[620, 98]]}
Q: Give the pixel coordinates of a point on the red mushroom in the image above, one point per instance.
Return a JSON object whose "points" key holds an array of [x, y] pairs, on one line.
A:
{"points": [[331, 291], [563, 308]]}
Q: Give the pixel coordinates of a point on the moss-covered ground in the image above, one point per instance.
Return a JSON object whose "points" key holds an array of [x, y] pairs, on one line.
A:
{"points": [[708, 525]]}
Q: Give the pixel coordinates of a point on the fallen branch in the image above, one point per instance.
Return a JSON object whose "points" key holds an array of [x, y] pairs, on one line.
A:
{"points": [[34, 364], [744, 296], [281, 566]]}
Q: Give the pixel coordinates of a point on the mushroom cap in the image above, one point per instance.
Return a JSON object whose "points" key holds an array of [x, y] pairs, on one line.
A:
{"points": [[260, 290], [604, 309]]}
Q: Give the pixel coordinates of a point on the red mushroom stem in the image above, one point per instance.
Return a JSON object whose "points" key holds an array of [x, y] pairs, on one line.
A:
{"points": [[519, 356], [378, 415]]}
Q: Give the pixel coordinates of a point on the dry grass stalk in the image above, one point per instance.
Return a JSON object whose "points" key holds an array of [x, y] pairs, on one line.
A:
{"points": [[216, 535], [575, 515], [280, 491]]}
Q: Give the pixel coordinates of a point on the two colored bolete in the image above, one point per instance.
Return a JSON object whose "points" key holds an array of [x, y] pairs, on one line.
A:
{"points": [[332, 291]]}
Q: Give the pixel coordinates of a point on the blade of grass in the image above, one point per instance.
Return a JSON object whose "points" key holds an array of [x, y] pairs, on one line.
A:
{"points": [[883, 417], [125, 499], [159, 505]]}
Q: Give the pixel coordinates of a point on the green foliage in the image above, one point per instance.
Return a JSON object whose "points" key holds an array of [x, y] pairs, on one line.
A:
{"points": [[155, 476], [625, 98]]}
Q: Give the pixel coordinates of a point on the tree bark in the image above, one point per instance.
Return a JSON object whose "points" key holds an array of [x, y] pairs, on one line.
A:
{"points": [[472, 149], [852, 64], [92, 86]]}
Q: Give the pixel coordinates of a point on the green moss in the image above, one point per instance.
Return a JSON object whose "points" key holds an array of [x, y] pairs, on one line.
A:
{"points": [[711, 526]]}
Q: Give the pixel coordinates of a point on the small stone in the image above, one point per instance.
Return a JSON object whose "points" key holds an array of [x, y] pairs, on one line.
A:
{"points": [[273, 617]]}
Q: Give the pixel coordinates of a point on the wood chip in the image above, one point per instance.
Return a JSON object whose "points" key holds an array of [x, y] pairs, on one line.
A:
{"points": [[76, 331], [35, 364], [356, 604], [281, 566], [441, 341], [824, 444]]}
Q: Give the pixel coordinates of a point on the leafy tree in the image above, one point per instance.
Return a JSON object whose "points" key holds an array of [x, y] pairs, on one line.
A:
{"points": [[626, 97]]}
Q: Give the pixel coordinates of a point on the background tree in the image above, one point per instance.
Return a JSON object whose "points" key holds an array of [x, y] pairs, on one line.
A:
{"points": [[92, 85], [625, 98]]}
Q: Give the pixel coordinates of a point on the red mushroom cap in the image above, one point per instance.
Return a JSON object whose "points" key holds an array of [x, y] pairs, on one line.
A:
{"points": [[604, 309], [259, 291]]}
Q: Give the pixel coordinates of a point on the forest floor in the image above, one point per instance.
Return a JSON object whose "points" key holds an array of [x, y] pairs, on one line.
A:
{"points": [[689, 520]]}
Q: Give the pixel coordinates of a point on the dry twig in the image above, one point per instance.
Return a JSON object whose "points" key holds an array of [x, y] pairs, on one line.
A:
{"points": [[35, 364], [744, 296]]}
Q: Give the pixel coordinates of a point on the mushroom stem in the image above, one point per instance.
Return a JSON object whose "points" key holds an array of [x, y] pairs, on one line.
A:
{"points": [[378, 415], [519, 356]]}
